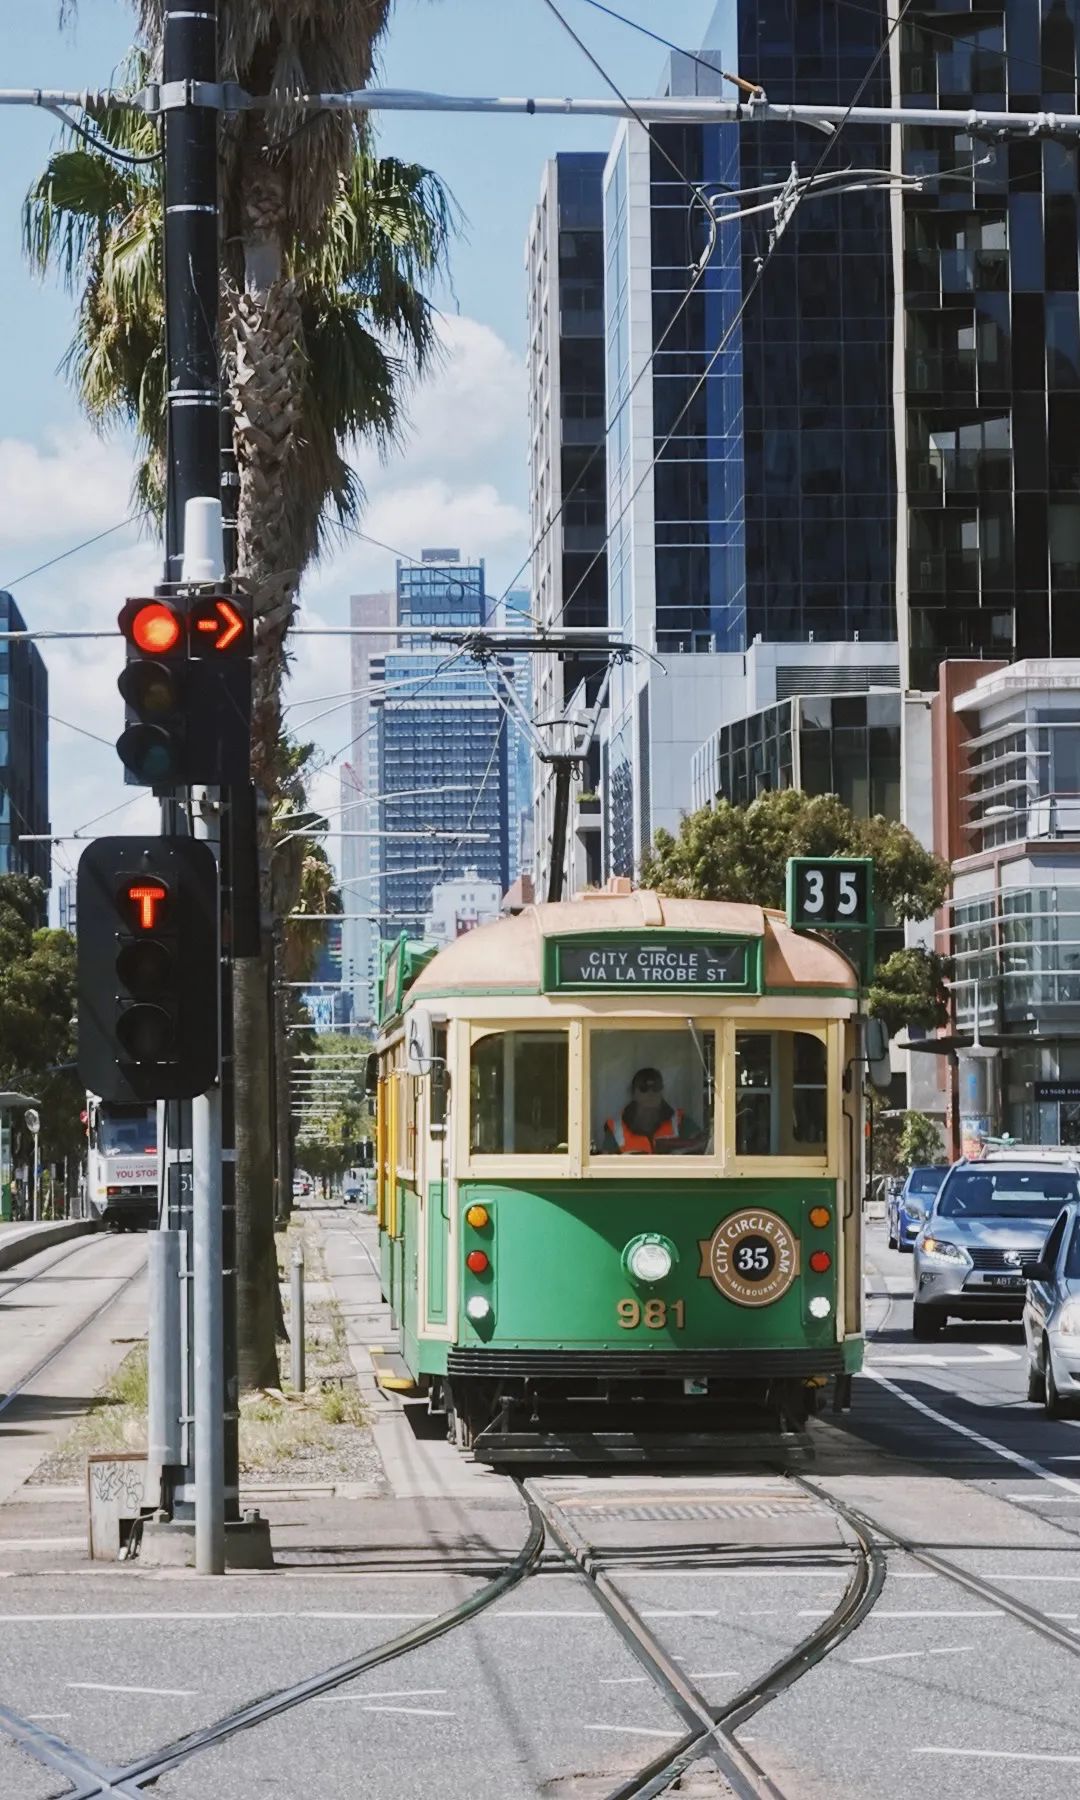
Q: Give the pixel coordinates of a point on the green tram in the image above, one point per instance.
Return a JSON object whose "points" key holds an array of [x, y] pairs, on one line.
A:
{"points": [[619, 1181]]}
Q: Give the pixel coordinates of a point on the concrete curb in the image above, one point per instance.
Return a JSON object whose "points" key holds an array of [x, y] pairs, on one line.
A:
{"points": [[16, 1248]]}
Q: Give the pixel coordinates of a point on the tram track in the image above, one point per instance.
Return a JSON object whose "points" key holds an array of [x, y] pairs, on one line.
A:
{"points": [[8, 1398], [11, 1283]]}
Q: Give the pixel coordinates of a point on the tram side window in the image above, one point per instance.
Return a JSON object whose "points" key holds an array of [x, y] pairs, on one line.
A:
{"points": [[519, 1092], [781, 1092], [652, 1092]]}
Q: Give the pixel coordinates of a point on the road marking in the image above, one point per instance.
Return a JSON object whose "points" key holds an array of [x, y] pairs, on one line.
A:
{"points": [[986, 1353], [415, 1712], [109, 1687], [691, 1675], [993, 1612], [210, 1618], [639, 1730], [48, 1715], [976, 1437], [1046, 1756], [1044, 1499], [903, 1655]]}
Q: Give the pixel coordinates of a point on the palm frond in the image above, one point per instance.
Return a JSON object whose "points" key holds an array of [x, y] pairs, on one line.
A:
{"points": [[69, 210]]}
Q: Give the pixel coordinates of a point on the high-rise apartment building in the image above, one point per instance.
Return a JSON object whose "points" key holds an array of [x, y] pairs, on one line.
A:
{"points": [[442, 746], [988, 437], [770, 512], [359, 813], [24, 751], [567, 449]]}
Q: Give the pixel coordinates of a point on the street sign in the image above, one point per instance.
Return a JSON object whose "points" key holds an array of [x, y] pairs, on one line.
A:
{"points": [[830, 891], [148, 968]]}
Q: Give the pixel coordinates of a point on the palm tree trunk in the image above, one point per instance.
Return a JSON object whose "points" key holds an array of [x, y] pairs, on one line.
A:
{"points": [[256, 1252]]}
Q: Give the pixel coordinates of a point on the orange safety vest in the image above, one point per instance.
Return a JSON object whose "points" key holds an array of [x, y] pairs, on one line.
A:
{"points": [[635, 1143]]}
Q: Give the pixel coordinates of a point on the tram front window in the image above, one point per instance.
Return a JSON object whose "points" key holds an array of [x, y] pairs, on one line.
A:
{"points": [[652, 1093], [781, 1088], [519, 1088]]}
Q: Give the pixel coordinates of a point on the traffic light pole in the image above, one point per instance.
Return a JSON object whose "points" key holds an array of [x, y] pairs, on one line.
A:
{"points": [[207, 1485]]}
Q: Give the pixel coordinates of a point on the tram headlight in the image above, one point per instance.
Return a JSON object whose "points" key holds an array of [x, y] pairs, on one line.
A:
{"points": [[819, 1307], [478, 1309], [650, 1257]]}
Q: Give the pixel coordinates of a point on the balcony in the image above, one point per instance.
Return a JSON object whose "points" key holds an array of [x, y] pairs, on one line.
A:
{"points": [[961, 472], [950, 371]]}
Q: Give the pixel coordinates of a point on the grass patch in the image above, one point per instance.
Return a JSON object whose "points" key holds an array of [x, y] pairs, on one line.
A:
{"points": [[279, 1431]]}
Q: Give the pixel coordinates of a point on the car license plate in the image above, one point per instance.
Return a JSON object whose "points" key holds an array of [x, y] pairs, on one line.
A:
{"points": [[1003, 1281]]}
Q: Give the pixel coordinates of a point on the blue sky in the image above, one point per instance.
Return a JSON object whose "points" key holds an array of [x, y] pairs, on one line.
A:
{"points": [[460, 477]]}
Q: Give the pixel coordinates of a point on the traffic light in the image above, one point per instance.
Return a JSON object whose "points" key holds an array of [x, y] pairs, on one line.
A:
{"points": [[148, 968], [187, 685]]}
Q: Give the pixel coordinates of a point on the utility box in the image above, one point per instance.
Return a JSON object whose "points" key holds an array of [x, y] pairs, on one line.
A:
{"points": [[116, 1501]]}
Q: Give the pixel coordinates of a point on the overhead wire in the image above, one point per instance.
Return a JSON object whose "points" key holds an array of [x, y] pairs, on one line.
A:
{"points": [[759, 276], [74, 551]]}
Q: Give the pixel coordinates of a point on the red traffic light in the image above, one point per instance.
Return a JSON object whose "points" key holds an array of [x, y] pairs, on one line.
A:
{"points": [[218, 624], [153, 626], [146, 900]]}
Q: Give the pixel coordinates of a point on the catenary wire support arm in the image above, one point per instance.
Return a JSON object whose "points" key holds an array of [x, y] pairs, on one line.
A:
{"points": [[756, 109]]}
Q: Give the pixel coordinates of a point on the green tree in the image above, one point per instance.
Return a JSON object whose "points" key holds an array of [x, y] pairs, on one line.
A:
{"points": [[740, 853], [37, 1010], [920, 1140], [335, 1123], [328, 252]]}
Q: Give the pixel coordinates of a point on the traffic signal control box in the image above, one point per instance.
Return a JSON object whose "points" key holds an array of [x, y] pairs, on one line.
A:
{"points": [[148, 968], [187, 684]]}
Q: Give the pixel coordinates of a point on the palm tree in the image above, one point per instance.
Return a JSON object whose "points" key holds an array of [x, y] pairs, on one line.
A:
{"points": [[327, 251]]}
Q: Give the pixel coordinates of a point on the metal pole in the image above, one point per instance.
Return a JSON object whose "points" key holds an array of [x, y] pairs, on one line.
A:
{"points": [[165, 1371], [35, 1137], [193, 399], [296, 1322], [209, 1336]]}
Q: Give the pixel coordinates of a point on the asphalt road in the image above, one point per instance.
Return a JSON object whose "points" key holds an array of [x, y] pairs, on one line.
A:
{"points": [[940, 1691]]}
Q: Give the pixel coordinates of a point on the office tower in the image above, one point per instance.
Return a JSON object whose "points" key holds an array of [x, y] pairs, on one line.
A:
{"points": [[769, 514], [988, 437], [359, 785], [567, 449], [441, 738], [24, 751]]}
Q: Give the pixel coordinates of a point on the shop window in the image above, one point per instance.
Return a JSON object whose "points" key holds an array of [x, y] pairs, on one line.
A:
{"points": [[652, 1093], [781, 1094], [519, 1087]]}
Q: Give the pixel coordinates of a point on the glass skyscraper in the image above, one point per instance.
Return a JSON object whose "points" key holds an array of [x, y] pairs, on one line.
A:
{"points": [[990, 432], [442, 746], [770, 512], [24, 751]]}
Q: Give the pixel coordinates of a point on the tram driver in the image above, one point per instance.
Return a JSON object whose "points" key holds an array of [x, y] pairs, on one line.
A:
{"points": [[650, 1125]]}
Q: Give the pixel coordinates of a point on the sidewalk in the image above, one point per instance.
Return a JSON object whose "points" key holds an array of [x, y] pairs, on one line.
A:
{"points": [[21, 1239], [417, 1468]]}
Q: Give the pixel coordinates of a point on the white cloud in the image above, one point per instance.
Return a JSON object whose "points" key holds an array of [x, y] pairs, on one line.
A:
{"points": [[458, 478], [72, 483]]}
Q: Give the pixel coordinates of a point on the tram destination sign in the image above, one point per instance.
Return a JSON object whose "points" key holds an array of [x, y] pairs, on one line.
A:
{"points": [[693, 966]]}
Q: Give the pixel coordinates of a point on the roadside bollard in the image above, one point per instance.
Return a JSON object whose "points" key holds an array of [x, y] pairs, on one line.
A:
{"points": [[296, 1322]]}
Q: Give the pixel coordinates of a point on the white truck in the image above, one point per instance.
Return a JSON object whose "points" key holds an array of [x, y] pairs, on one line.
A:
{"points": [[121, 1164]]}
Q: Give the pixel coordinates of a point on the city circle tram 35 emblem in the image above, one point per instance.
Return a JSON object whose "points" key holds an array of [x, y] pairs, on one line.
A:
{"points": [[752, 1257]]}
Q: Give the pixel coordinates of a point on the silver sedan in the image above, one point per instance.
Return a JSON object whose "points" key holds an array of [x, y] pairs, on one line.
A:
{"points": [[1052, 1317], [989, 1217]]}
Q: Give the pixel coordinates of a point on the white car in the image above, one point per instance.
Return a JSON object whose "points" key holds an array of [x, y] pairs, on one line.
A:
{"points": [[1052, 1317]]}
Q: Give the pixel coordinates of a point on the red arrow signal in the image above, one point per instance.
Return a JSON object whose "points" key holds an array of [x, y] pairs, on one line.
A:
{"points": [[217, 625]]}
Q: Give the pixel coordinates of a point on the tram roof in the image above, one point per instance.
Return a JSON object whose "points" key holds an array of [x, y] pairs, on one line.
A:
{"points": [[508, 956]]}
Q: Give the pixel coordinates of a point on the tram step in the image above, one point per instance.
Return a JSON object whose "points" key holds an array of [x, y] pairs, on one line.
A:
{"points": [[391, 1371], [595, 1448]]}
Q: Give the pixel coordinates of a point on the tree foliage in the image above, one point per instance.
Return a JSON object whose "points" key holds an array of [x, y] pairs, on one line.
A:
{"points": [[334, 1125], [37, 1010], [740, 853], [920, 1140]]}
